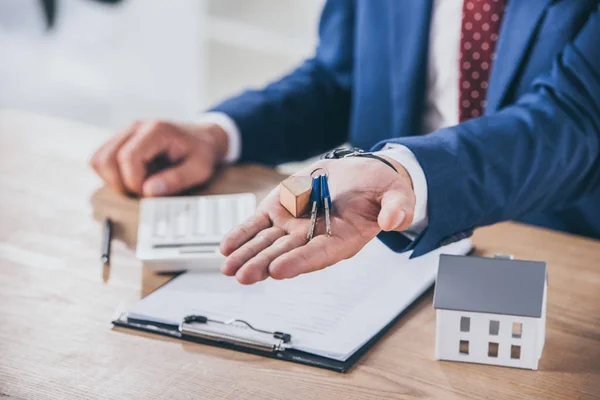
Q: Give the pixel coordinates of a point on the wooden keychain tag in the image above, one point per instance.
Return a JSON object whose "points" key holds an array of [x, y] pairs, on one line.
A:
{"points": [[294, 194]]}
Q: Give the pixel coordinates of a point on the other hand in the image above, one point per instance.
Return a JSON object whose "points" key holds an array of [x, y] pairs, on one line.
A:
{"points": [[368, 196], [192, 152]]}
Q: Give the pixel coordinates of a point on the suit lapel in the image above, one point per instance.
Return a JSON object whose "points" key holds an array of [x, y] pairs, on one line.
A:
{"points": [[516, 33], [409, 22]]}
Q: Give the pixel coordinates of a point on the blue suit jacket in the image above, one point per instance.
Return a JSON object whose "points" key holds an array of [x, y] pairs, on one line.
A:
{"points": [[533, 157]]}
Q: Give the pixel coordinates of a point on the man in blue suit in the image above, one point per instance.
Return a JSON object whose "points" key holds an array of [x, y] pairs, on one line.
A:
{"points": [[485, 110]]}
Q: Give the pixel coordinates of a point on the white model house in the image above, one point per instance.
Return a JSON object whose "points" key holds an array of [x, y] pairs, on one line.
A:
{"points": [[490, 311]]}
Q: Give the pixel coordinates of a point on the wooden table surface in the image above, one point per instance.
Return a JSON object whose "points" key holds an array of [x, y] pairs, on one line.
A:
{"points": [[56, 340]]}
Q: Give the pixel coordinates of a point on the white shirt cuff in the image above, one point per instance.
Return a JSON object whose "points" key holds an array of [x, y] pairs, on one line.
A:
{"points": [[234, 147], [408, 160]]}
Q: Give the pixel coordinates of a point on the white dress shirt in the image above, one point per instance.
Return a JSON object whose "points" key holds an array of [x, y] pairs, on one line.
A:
{"points": [[441, 105]]}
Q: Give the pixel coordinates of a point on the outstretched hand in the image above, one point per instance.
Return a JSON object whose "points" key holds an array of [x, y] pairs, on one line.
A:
{"points": [[368, 196]]}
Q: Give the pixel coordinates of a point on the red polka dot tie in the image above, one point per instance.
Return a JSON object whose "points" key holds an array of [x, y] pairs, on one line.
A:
{"points": [[479, 34]]}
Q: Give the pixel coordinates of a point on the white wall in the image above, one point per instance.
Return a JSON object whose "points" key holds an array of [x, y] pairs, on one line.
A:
{"points": [[146, 58], [103, 65], [249, 43], [448, 336]]}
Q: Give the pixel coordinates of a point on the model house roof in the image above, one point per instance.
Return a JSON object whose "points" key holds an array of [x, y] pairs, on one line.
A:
{"points": [[490, 285]]}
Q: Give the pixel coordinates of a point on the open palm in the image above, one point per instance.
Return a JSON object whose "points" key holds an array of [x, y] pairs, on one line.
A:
{"points": [[367, 195]]}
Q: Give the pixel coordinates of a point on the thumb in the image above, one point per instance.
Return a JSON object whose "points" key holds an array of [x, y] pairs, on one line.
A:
{"points": [[394, 213], [177, 178]]}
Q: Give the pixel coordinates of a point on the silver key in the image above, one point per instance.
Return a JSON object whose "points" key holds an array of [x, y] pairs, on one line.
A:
{"points": [[315, 198], [326, 201], [313, 221]]}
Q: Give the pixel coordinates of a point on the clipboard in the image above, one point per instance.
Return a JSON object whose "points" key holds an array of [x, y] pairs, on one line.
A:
{"points": [[271, 344], [338, 313]]}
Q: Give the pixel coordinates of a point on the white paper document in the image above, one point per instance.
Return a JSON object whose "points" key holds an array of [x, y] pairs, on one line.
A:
{"points": [[331, 313]]}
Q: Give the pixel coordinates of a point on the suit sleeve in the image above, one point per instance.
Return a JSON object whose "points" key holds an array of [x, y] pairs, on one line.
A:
{"points": [[307, 111], [540, 154]]}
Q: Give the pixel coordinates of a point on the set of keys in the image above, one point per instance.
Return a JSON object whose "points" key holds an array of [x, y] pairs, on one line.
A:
{"points": [[299, 194]]}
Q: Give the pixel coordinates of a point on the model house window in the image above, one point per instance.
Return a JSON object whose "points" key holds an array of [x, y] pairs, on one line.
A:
{"points": [[494, 327], [492, 349], [517, 330], [515, 351], [465, 324], [463, 347]]}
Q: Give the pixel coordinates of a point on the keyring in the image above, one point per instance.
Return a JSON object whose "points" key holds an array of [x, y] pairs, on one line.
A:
{"points": [[320, 168]]}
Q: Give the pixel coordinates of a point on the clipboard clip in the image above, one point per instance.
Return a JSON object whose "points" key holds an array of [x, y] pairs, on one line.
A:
{"points": [[273, 341]]}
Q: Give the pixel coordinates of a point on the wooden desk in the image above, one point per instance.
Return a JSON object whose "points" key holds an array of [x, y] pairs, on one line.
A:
{"points": [[56, 340]]}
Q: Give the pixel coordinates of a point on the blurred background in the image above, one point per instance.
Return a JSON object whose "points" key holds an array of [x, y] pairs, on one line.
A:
{"points": [[108, 64]]}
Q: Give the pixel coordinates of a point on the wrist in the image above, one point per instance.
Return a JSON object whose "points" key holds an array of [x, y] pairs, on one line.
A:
{"points": [[405, 215], [405, 176], [217, 138]]}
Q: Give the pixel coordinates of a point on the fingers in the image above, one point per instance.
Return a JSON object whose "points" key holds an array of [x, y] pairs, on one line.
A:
{"points": [[149, 141], [189, 173], [104, 161], [247, 262], [395, 213], [123, 161], [244, 232], [317, 254], [250, 249], [257, 268]]}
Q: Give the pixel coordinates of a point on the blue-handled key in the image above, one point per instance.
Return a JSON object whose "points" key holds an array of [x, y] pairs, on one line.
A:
{"points": [[326, 202], [315, 199]]}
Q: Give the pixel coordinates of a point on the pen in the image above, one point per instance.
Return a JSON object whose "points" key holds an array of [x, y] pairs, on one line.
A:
{"points": [[106, 239]]}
